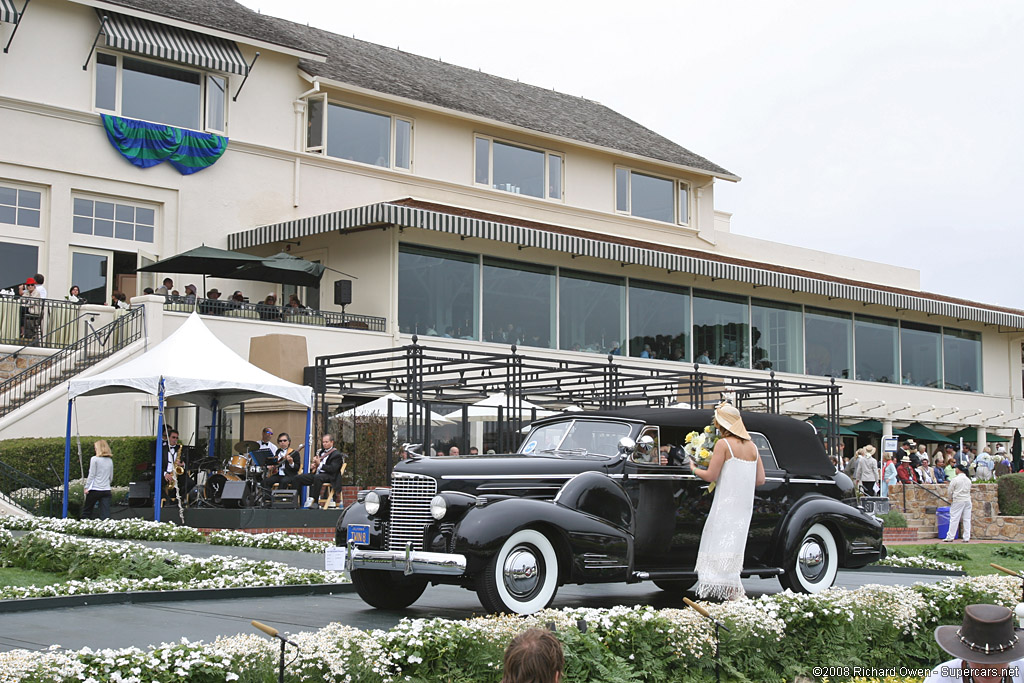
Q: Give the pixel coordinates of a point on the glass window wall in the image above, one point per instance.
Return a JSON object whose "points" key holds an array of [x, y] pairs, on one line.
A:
{"points": [[17, 263], [877, 343], [157, 92], [659, 320], [829, 343], [358, 135], [776, 336], [720, 329], [592, 312], [920, 355], [962, 359], [438, 292], [519, 303]]}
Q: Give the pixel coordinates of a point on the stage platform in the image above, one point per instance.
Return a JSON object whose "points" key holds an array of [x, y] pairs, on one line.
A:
{"points": [[318, 524]]}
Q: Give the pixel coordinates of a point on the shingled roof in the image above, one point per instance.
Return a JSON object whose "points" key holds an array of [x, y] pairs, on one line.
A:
{"points": [[402, 74]]}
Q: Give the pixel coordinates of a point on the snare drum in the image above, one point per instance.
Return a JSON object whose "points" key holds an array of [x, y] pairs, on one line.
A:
{"points": [[238, 464]]}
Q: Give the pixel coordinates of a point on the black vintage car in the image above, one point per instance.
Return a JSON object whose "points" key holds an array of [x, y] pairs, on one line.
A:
{"points": [[581, 502]]}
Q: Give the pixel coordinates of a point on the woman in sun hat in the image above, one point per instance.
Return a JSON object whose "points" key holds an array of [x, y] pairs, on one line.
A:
{"points": [[736, 467], [985, 647]]}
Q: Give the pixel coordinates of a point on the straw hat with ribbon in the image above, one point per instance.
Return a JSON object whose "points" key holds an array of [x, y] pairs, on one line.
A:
{"points": [[728, 418]]}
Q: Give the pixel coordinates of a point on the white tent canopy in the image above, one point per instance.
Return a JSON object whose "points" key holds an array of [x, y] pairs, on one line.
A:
{"points": [[379, 406], [196, 367], [486, 410]]}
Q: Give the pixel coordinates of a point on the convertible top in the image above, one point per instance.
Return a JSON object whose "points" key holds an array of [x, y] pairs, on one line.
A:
{"points": [[798, 449]]}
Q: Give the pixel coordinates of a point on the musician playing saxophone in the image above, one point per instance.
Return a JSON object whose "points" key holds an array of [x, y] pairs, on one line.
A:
{"points": [[175, 473]]}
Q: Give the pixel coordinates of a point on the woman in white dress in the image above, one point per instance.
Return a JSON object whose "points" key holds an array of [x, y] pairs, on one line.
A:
{"points": [[736, 466]]}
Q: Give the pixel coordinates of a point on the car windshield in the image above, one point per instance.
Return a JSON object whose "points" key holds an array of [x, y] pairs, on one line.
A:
{"points": [[582, 437]]}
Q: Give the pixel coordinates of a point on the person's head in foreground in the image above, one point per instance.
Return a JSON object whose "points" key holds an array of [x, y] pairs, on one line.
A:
{"points": [[985, 644], [727, 419], [534, 656]]}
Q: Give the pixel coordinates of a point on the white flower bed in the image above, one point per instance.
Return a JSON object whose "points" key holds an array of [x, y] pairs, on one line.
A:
{"points": [[420, 649], [221, 571], [275, 540], [920, 562]]}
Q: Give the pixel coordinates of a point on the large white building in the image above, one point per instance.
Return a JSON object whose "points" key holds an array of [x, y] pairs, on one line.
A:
{"points": [[463, 206]]}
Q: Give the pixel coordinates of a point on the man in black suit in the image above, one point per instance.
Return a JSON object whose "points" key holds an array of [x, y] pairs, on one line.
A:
{"points": [[324, 469], [287, 464]]}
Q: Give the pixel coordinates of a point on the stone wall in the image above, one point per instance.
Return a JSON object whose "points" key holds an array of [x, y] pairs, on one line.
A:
{"points": [[986, 523], [11, 366]]}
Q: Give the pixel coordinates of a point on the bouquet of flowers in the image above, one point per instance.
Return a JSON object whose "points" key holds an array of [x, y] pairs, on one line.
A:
{"points": [[699, 446]]}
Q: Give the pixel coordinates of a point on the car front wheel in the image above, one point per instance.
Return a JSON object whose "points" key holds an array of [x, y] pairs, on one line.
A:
{"points": [[814, 566], [387, 590], [522, 577]]}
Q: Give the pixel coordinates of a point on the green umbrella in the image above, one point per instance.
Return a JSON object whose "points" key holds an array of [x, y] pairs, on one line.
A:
{"points": [[874, 427], [281, 268], [970, 434], [202, 260], [922, 433], [821, 424]]}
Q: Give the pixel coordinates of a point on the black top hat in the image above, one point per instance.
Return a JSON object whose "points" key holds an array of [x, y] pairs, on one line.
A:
{"points": [[986, 636]]}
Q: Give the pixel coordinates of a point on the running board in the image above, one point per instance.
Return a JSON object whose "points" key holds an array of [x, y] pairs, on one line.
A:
{"points": [[760, 572]]}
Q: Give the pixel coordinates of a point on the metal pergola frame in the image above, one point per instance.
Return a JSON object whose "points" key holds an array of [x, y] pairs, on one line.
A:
{"points": [[424, 374]]}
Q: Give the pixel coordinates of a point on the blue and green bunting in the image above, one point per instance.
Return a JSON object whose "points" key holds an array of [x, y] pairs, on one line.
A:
{"points": [[148, 144]]}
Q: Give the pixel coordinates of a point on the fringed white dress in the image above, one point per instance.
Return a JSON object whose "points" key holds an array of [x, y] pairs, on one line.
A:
{"points": [[724, 539]]}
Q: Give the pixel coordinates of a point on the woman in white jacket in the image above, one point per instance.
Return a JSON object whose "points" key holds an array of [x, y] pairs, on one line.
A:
{"points": [[97, 486]]}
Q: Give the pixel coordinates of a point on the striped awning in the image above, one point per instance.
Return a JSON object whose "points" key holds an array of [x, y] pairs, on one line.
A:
{"points": [[7, 12], [388, 213], [169, 42]]}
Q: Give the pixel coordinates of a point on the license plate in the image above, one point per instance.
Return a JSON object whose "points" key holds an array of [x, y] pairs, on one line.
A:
{"points": [[359, 534]]}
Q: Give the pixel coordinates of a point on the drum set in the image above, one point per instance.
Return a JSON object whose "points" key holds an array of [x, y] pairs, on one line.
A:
{"points": [[244, 466]]}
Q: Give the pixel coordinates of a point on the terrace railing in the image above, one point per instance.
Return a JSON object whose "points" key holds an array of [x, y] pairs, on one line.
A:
{"points": [[46, 323], [276, 314], [90, 349], [30, 493]]}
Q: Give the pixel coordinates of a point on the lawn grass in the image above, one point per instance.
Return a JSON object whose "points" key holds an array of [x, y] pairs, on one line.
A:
{"points": [[979, 555], [12, 576]]}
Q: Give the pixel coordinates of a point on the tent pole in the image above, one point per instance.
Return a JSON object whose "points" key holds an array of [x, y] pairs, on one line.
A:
{"points": [[213, 430], [158, 480], [67, 459], [305, 456]]}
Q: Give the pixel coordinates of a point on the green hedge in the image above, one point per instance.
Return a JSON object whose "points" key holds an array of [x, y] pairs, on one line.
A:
{"points": [[36, 457], [1011, 494]]}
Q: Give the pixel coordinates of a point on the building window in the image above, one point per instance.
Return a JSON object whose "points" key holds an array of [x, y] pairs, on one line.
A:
{"points": [[153, 91], [438, 292], [961, 352], [720, 329], [358, 135], [17, 262], [518, 303], [829, 342], [648, 196], [920, 355], [592, 312], [20, 207], [877, 343], [518, 169], [114, 219], [776, 336], [659, 321]]}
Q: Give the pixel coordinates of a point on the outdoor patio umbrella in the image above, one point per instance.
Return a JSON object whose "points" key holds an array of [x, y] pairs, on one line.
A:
{"points": [[1015, 450], [821, 424], [874, 427], [970, 434], [282, 269], [203, 261], [399, 410], [922, 433]]}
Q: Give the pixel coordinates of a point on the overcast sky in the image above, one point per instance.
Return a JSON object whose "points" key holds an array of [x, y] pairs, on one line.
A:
{"points": [[889, 131]]}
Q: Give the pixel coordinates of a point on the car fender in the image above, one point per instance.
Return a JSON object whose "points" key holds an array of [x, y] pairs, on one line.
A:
{"points": [[858, 535], [356, 514], [589, 548]]}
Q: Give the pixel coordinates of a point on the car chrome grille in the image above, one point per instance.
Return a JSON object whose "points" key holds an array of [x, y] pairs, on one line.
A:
{"points": [[410, 510]]}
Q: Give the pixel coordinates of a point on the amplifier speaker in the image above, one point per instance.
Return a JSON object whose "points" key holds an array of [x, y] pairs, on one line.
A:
{"points": [[342, 292], [315, 376], [284, 500], [140, 494], [236, 494]]}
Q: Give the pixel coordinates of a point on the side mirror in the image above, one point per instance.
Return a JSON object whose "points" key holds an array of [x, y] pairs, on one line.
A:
{"points": [[644, 446], [626, 446]]}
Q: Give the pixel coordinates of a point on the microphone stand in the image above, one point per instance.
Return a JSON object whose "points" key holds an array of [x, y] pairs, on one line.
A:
{"points": [[707, 615], [274, 633]]}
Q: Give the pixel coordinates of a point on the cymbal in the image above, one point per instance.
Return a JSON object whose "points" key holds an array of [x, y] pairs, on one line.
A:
{"points": [[243, 447]]}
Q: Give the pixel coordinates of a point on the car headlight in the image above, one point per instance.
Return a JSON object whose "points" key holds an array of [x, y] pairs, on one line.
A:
{"points": [[372, 503], [438, 507]]}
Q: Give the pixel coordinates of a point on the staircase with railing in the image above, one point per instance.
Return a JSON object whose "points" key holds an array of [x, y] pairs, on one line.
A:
{"points": [[89, 349], [29, 493]]}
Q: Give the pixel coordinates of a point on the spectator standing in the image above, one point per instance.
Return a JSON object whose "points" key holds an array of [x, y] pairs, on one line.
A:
{"points": [[888, 473], [534, 656], [939, 469], [867, 471], [166, 288], [97, 486], [75, 295], [38, 277], [906, 472], [32, 309], [960, 508]]}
